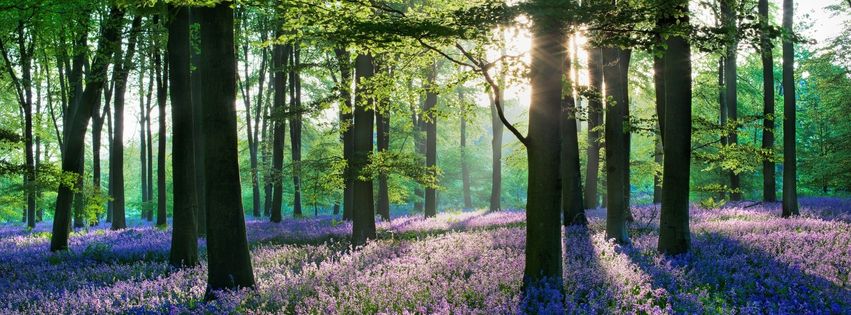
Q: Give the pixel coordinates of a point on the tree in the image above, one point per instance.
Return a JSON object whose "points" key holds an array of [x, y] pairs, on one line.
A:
{"points": [[382, 131], [595, 120], [78, 120], [120, 71], [571, 173], [295, 124], [465, 169], [616, 65], [184, 236], [161, 73], [430, 123], [729, 19], [674, 235], [196, 87], [228, 259], [543, 147], [344, 65], [363, 216], [790, 168], [769, 186], [496, 151], [279, 53]]}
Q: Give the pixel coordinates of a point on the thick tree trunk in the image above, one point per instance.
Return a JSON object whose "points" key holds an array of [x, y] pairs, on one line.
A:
{"points": [[769, 186], [616, 142], [116, 155], [363, 225], [674, 235], [595, 120], [572, 207], [279, 54], [184, 233], [295, 125], [228, 259], [659, 153], [543, 146], [790, 167], [196, 85], [729, 14], [80, 113], [430, 124]]}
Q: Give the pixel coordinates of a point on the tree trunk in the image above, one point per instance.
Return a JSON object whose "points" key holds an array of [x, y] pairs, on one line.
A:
{"points": [[729, 14], [196, 86], [250, 132], [465, 169], [149, 214], [659, 153], [496, 157], [228, 259], [162, 85], [543, 146], [184, 236], [616, 155], [420, 149], [790, 167], [595, 120], [343, 59], [571, 174], [80, 113], [430, 123], [116, 156], [769, 186], [143, 142], [382, 130], [295, 125], [674, 235], [363, 225], [279, 54], [722, 113]]}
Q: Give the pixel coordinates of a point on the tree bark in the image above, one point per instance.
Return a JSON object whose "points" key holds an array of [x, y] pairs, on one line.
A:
{"points": [[430, 123], [769, 186], [496, 156], [184, 232], [80, 113], [790, 167], [295, 125], [674, 234], [616, 142], [659, 84], [228, 259], [571, 174], [196, 86], [382, 131], [363, 225], [279, 54], [543, 146], [465, 169], [116, 155], [595, 120], [729, 15], [344, 64], [162, 86]]}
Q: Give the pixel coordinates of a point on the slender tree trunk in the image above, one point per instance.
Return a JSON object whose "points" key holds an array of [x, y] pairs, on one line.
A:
{"points": [[465, 169], [80, 114], [571, 174], [196, 86], [674, 234], [250, 132], [543, 146], [496, 155], [279, 67], [295, 125], [625, 58], [729, 14], [595, 120], [162, 95], [149, 151], [769, 186], [420, 149], [228, 259], [116, 155], [363, 225], [382, 131], [184, 236], [143, 140], [659, 84], [616, 155], [722, 114], [347, 136], [790, 167], [431, 138]]}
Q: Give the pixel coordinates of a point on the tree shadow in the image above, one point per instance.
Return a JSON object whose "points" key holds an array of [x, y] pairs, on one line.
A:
{"points": [[723, 274]]}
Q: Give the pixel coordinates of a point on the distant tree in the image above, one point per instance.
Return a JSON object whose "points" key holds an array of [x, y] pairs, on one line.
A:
{"points": [[769, 186], [729, 18], [430, 123]]}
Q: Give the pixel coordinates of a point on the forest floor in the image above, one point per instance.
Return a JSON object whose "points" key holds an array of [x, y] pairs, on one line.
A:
{"points": [[744, 259]]}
